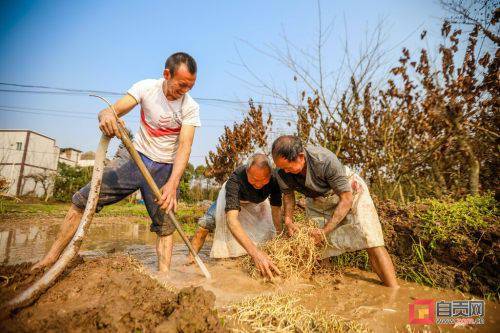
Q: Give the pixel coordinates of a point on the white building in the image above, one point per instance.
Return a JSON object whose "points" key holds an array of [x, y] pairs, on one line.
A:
{"points": [[87, 159], [70, 156], [28, 162]]}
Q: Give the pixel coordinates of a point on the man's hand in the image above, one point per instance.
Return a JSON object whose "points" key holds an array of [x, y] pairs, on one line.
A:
{"points": [[318, 235], [169, 197], [108, 123], [291, 228], [169, 190], [107, 119], [356, 187], [265, 265]]}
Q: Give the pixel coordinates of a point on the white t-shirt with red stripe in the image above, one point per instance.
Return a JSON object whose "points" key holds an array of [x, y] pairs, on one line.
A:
{"points": [[161, 120]]}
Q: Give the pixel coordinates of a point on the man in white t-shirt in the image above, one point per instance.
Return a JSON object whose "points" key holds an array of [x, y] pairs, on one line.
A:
{"points": [[169, 117]]}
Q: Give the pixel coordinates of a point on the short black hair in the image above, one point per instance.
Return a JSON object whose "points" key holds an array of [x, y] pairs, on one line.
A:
{"points": [[175, 60], [288, 147]]}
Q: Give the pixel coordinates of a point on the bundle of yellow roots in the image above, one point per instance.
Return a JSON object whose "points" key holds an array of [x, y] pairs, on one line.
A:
{"points": [[295, 256], [283, 313]]}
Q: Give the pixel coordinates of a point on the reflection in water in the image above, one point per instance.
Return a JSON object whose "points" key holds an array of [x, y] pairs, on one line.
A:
{"points": [[21, 242], [28, 242]]}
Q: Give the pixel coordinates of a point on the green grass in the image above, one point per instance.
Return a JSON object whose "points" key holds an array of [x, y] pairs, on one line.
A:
{"points": [[357, 259], [452, 221], [189, 228], [124, 209], [10, 207], [415, 268], [187, 214], [57, 209], [439, 225]]}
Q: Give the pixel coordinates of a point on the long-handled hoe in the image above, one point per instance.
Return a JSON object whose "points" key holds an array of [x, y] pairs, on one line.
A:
{"points": [[34, 291]]}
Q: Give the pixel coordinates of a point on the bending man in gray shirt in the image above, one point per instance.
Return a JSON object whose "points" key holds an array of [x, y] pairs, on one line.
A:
{"points": [[338, 201]]}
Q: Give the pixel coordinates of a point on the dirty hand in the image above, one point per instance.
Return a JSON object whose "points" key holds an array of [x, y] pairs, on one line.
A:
{"points": [[318, 235], [108, 124], [169, 197], [291, 228], [265, 265]]}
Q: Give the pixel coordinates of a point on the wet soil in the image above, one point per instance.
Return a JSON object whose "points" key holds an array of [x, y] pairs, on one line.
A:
{"points": [[110, 294], [471, 266], [16, 278], [356, 295]]}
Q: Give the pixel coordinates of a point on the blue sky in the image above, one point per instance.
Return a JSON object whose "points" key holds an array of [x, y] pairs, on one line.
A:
{"points": [[109, 45]]}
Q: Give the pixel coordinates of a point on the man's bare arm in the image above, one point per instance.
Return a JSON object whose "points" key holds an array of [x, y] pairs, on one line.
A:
{"points": [[107, 119], [288, 207], [240, 234], [169, 194], [343, 207], [262, 261], [276, 213]]}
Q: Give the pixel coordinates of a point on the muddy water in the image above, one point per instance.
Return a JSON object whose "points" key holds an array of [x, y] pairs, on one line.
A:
{"points": [[357, 295], [29, 240]]}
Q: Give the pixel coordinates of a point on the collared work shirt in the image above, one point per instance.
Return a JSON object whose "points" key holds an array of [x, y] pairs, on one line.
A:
{"points": [[324, 173]]}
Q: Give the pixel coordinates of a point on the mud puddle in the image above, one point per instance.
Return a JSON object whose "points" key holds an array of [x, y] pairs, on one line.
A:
{"points": [[356, 295], [28, 240]]}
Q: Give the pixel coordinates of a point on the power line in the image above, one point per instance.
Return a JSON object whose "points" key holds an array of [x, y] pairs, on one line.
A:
{"points": [[208, 100], [70, 91], [86, 91], [89, 115], [43, 92], [23, 108], [78, 114], [68, 115], [48, 114], [53, 153]]}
